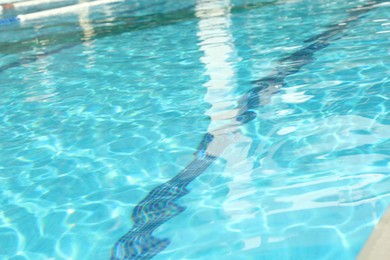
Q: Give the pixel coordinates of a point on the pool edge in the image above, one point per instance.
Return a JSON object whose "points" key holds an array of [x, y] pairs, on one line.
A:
{"points": [[377, 245]]}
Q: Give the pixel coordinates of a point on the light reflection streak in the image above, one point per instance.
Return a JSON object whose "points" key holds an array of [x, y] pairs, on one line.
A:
{"points": [[88, 35], [46, 79], [220, 58]]}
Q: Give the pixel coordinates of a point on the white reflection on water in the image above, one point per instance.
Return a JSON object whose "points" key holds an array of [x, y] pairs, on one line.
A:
{"points": [[88, 35], [220, 58], [44, 90]]}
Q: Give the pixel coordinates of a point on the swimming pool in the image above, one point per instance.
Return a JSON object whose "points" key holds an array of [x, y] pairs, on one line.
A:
{"points": [[195, 130]]}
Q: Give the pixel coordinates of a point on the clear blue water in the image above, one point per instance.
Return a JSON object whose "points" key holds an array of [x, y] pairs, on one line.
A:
{"points": [[99, 108]]}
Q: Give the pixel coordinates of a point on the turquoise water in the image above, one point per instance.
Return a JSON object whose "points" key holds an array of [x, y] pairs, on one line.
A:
{"points": [[100, 108]]}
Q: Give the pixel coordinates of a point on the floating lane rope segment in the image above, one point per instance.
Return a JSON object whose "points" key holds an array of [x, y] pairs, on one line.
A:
{"points": [[27, 4], [11, 20], [12, 1], [160, 204], [54, 12]]}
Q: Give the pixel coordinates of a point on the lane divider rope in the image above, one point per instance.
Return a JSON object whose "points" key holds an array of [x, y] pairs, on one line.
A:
{"points": [[19, 5], [54, 12], [13, 1]]}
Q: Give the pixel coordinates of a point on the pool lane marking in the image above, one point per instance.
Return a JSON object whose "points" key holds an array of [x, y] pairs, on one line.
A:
{"points": [[34, 58], [159, 205]]}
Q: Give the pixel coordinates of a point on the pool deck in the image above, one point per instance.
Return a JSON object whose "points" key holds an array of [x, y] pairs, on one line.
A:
{"points": [[378, 246]]}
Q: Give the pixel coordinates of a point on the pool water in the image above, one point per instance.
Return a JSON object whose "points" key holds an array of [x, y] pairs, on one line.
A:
{"points": [[225, 129]]}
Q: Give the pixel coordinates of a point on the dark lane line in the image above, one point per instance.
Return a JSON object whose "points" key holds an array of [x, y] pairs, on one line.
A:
{"points": [[160, 205], [34, 58]]}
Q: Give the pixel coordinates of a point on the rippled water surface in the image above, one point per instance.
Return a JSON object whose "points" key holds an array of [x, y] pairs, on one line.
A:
{"points": [[281, 108]]}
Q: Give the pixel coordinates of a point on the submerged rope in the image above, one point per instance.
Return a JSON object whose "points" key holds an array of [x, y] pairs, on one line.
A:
{"points": [[160, 204]]}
